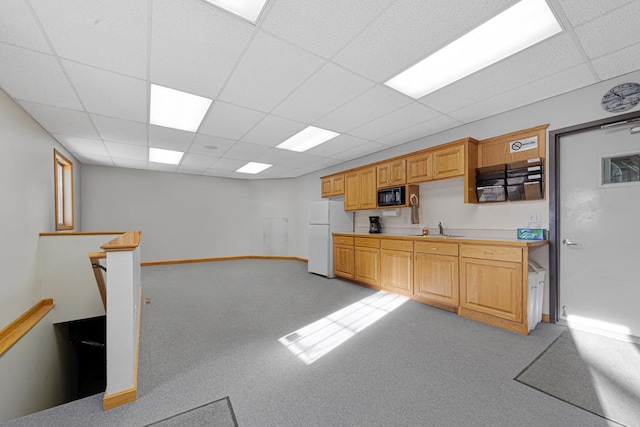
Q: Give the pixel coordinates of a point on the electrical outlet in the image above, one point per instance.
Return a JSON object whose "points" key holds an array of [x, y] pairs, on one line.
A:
{"points": [[534, 217]]}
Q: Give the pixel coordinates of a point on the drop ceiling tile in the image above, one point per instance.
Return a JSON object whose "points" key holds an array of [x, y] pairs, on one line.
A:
{"points": [[322, 27], [61, 120], [197, 161], [372, 104], [210, 146], [127, 151], [94, 159], [402, 118], [611, 32], [18, 27], [617, 63], [548, 87], [269, 71], [35, 77], [191, 170], [321, 164], [273, 130], [82, 146], [194, 46], [336, 145], [226, 165], [109, 94], [170, 139], [581, 11], [109, 34], [409, 31], [325, 91], [277, 172], [221, 173], [360, 150], [128, 163], [229, 121], [293, 159], [118, 130], [245, 151], [544, 59], [162, 167], [433, 126]]}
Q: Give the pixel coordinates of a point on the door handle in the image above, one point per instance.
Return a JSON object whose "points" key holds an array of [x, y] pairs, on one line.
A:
{"points": [[568, 242]]}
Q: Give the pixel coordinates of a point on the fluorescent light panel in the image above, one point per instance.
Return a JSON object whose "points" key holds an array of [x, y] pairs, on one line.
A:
{"points": [[307, 139], [522, 25], [253, 168], [170, 157], [248, 9], [172, 108]]}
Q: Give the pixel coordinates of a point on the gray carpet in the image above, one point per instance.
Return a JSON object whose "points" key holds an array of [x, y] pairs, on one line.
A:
{"points": [[212, 331], [214, 414], [598, 374]]}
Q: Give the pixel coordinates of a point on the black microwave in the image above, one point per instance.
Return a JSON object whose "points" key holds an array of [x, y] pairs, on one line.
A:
{"points": [[395, 196]]}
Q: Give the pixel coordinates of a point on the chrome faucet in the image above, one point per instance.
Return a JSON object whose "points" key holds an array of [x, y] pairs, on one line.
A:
{"points": [[440, 228]]}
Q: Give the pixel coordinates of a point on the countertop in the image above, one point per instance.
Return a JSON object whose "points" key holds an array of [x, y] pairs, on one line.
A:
{"points": [[451, 239]]}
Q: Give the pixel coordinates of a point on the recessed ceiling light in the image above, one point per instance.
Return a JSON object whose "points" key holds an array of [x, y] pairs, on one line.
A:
{"points": [[253, 167], [172, 108], [248, 9], [307, 138], [170, 157], [522, 25]]}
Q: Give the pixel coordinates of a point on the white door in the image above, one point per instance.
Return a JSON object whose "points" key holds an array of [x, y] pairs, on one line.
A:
{"points": [[599, 231]]}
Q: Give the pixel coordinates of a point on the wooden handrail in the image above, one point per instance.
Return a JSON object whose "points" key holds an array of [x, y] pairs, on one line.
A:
{"points": [[127, 242], [95, 258], [15, 330]]}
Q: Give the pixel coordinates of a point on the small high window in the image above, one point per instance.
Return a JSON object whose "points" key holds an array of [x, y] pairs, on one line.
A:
{"points": [[63, 185], [621, 169]]}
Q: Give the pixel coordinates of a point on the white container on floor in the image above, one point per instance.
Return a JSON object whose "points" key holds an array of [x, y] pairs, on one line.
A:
{"points": [[536, 293]]}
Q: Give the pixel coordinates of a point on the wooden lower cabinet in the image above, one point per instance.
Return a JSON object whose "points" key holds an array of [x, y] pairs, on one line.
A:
{"points": [[343, 261], [436, 279], [492, 287], [367, 266], [396, 271]]}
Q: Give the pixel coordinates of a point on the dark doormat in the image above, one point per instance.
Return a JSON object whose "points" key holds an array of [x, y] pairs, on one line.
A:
{"points": [[218, 413], [595, 373]]}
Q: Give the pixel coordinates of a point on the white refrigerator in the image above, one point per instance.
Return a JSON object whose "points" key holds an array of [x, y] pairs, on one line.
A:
{"points": [[325, 217]]}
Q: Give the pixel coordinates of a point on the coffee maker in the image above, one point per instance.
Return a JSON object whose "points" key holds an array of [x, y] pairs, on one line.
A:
{"points": [[375, 226]]}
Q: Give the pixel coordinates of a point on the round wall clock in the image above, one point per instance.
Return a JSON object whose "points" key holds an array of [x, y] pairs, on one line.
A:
{"points": [[621, 97]]}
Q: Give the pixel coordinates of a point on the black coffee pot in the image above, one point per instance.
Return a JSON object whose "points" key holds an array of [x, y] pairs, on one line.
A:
{"points": [[375, 226]]}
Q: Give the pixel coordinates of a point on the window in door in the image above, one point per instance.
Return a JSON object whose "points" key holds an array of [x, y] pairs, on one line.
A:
{"points": [[63, 189], [620, 169]]}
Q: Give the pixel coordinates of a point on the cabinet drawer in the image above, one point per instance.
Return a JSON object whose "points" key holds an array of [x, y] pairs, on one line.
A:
{"points": [[437, 248], [498, 253], [342, 240], [398, 245], [367, 242]]}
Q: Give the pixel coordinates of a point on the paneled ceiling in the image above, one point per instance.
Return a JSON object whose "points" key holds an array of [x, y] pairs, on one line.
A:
{"points": [[83, 70]]}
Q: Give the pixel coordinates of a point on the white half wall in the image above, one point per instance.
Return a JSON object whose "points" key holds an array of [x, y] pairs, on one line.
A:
{"points": [[31, 366]]}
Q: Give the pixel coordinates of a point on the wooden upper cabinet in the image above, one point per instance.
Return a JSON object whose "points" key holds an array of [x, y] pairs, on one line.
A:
{"points": [[333, 185], [447, 162], [360, 190], [391, 173]]}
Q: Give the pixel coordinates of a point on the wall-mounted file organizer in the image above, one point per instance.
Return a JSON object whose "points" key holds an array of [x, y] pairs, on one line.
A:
{"points": [[525, 180], [491, 183]]}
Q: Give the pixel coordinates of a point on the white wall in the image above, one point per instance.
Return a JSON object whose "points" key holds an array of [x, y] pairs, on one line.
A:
{"points": [[27, 210]]}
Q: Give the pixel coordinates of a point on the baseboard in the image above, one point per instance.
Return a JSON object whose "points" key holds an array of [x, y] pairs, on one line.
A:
{"points": [[15, 330], [229, 258], [119, 398]]}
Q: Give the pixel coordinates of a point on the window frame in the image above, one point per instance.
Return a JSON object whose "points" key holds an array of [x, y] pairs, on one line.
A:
{"points": [[63, 191]]}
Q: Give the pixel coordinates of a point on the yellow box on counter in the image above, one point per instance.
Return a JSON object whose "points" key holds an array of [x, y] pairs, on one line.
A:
{"points": [[532, 234]]}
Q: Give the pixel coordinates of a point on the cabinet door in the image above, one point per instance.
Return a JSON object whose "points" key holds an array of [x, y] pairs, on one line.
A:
{"points": [[419, 167], [337, 183], [448, 162], [351, 191], [327, 187], [343, 261], [368, 189], [491, 287], [398, 172], [436, 278], [367, 265], [383, 175], [396, 271]]}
